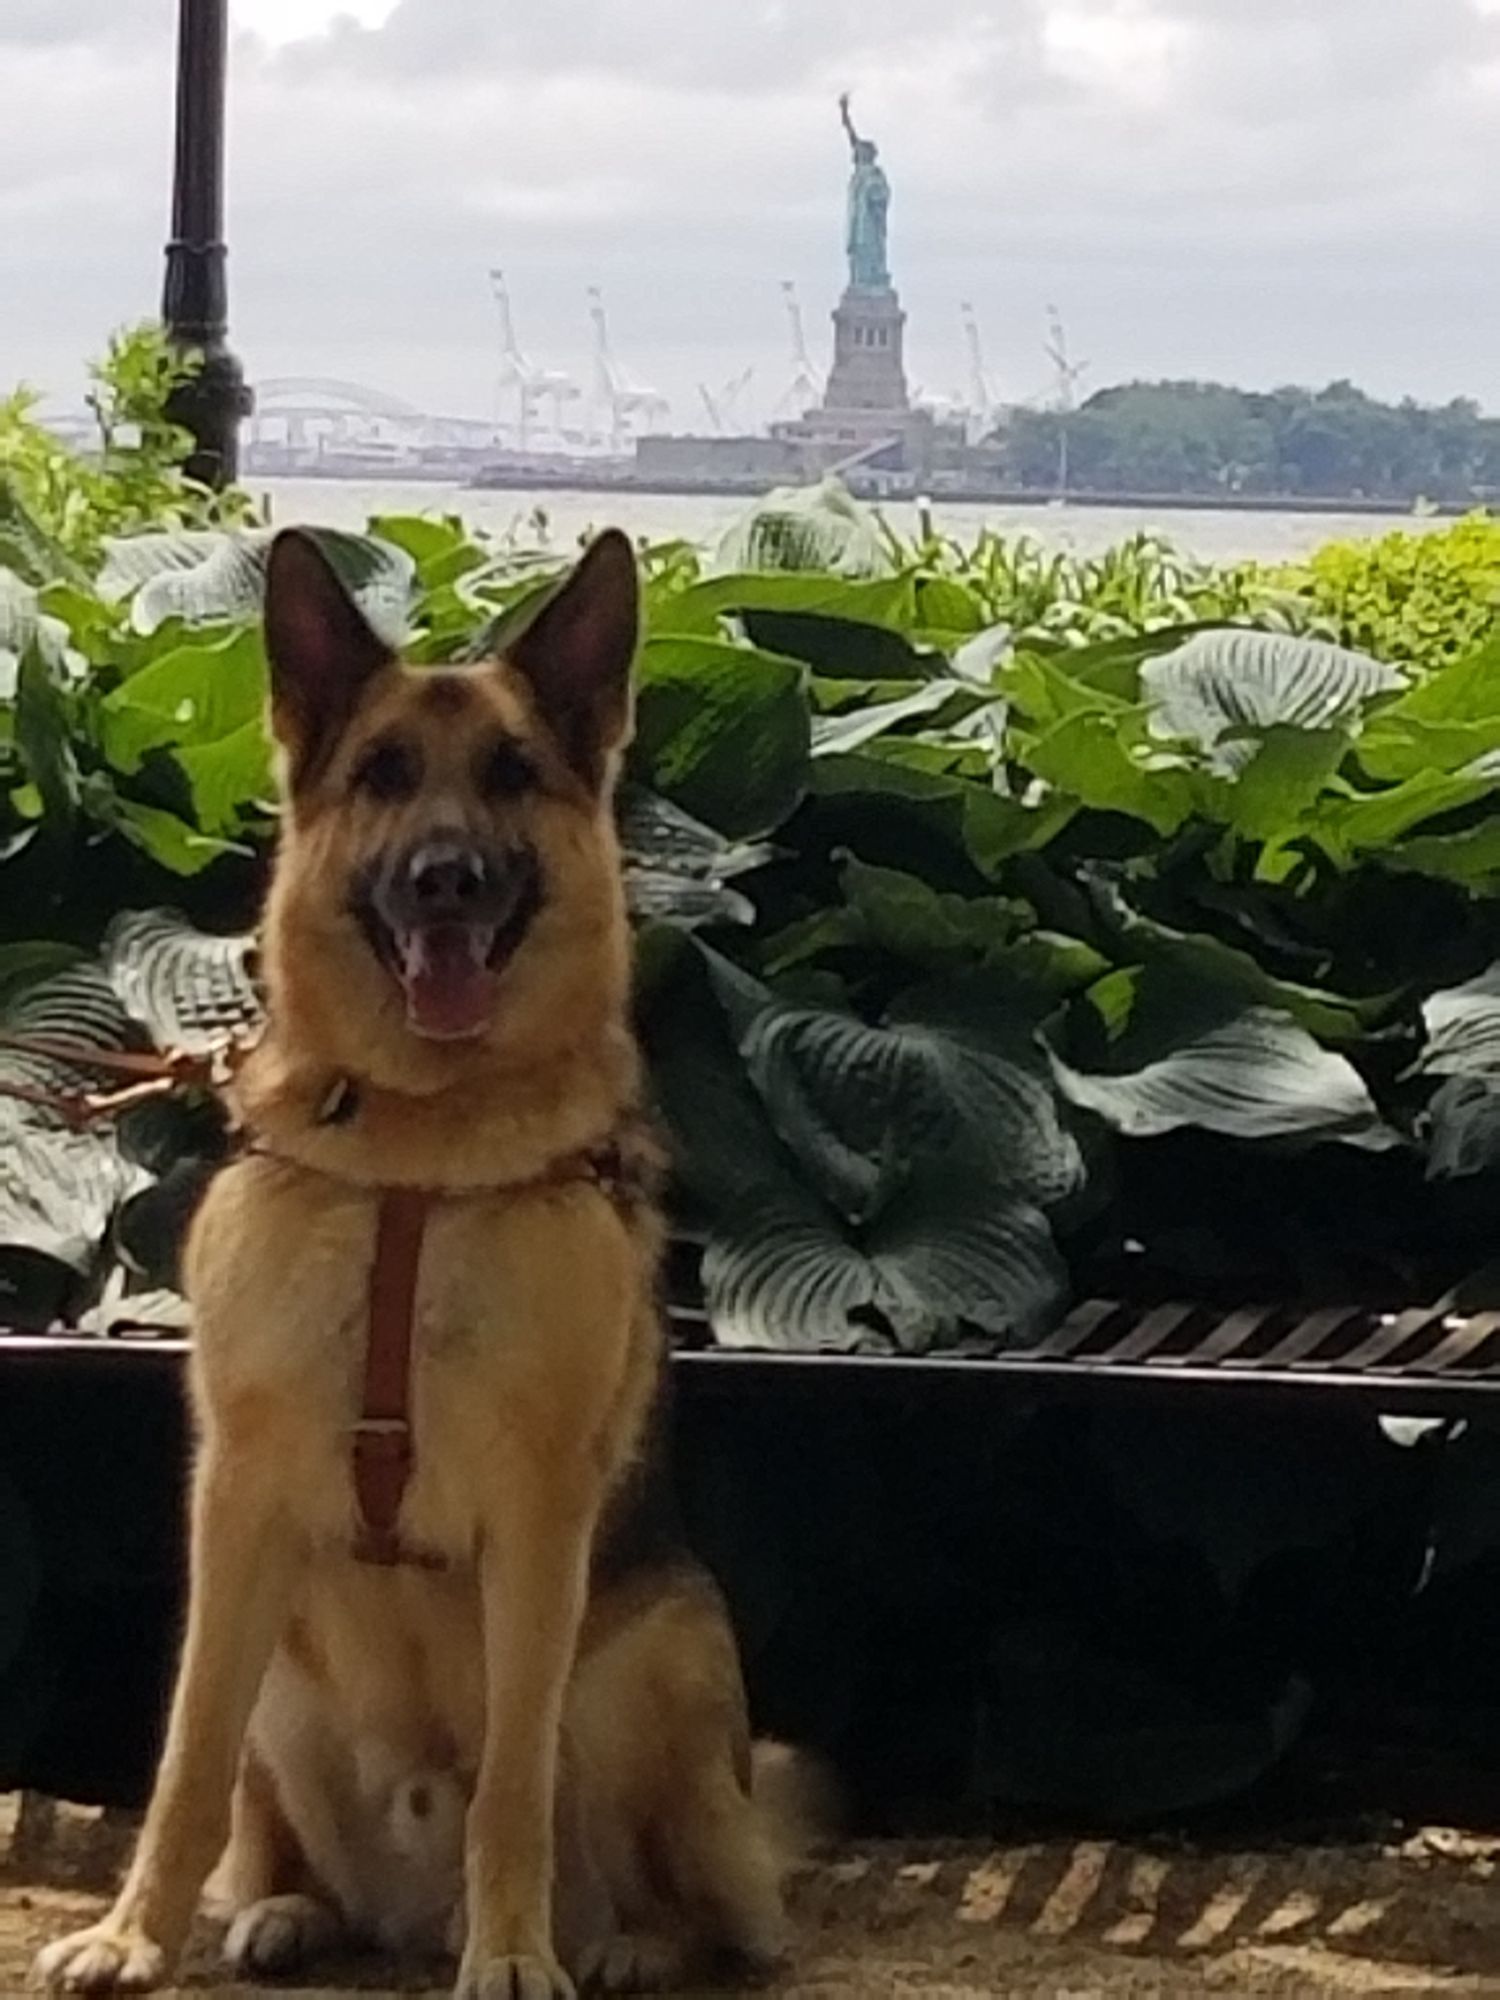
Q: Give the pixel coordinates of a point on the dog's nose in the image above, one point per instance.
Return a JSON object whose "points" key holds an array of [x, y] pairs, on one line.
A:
{"points": [[445, 879]]}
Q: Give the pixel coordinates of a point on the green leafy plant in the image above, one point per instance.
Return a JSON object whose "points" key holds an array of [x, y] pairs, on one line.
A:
{"points": [[1018, 878]]}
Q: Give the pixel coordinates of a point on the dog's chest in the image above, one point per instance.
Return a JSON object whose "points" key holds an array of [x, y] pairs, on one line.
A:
{"points": [[520, 1318]]}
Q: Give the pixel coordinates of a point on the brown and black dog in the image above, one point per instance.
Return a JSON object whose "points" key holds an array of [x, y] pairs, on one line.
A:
{"points": [[547, 1700]]}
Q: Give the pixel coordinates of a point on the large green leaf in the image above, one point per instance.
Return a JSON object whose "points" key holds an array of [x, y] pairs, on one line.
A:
{"points": [[884, 602], [987, 828], [864, 1107], [1099, 760], [229, 776], [24, 623], [1222, 684], [194, 694], [1349, 824], [1170, 1059], [207, 577], [723, 731], [186, 987], [677, 868], [817, 527], [1471, 857], [1195, 961], [201, 576], [836, 735], [60, 1187], [44, 736], [898, 1212], [1463, 1028], [950, 1266]]}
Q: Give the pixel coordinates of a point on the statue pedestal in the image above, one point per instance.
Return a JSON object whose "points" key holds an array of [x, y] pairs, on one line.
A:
{"points": [[869, 369]]}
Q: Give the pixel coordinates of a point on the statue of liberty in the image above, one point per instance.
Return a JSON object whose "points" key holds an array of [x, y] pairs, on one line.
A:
{"points": [[869, 206]]}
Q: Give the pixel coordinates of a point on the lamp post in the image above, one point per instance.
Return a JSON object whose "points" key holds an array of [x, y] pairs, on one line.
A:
{"points": [[195, 298]]}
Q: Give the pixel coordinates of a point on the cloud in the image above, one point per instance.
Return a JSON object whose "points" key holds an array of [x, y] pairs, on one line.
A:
{"points": [[1269, 193]]}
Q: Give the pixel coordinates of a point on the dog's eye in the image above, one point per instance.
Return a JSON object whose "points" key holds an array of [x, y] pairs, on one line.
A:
{"points": [[505, 771], [389, 771]]}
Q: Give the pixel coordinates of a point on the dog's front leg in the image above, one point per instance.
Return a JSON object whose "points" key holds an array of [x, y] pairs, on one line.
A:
{"points": [[242, 1564], [533, 1569]]}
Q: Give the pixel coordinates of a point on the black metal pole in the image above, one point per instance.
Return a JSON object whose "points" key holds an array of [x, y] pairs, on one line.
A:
{"points": [[195, 297]]}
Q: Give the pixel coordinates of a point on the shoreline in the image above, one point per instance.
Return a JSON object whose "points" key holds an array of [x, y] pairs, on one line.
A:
{"points": [[581, 479]]}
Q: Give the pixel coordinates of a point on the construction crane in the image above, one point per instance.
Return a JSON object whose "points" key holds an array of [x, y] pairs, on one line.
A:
{"points": [[533, 386], [627, 406], [982, 399], [1067, 374], [804, 389], [723, 404]]}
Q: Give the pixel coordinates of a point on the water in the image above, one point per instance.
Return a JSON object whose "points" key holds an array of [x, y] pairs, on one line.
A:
{"points": [[1214, 536]]}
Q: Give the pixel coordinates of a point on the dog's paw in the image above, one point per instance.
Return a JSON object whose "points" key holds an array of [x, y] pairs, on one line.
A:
{"points": [[521, 1977], [107, 1958], [277, 1934], [632, 1963]]}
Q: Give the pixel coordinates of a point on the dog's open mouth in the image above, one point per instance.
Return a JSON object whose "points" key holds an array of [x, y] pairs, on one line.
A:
{"points": [[450, 968]]}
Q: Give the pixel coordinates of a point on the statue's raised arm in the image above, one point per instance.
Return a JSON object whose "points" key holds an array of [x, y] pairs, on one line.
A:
{"points": [[848, 120]]}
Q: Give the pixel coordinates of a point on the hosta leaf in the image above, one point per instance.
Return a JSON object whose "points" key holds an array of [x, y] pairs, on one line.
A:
{"points": [[950, 1266], [24, 623], [891, 911], [865, 1109], [441, 551], [1196, 961], [1091, 758], [1223, 683], [215, 576], [1471, 858], [186, 987], [201, 576], [44, 737], [60, 1187], [1250, 1073], [894, 799], [170, 841], [194, 694], [819, 527], [1286, 772], [229, 776], [1463, 1028], [1463, 1127], [656, 835], [723, 731], [882, 606], [1368, 823], [833, 735], [23, 965]]}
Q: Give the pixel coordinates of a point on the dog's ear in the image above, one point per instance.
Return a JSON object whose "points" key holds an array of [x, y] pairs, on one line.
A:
{"points": [[577, 654], [321, 651]]}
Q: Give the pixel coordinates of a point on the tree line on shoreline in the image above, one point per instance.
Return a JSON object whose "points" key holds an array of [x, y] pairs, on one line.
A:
{"points": [[1206, 437]]}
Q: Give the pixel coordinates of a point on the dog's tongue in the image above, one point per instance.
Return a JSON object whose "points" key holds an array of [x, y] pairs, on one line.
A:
{"points": [[450, 990]]}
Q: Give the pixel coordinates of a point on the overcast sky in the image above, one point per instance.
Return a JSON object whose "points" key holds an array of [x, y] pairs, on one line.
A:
{"points": [[1254, 190]]}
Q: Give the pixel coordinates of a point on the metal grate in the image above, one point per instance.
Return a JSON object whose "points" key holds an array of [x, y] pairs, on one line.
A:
{"points": [[1420, 1361]]}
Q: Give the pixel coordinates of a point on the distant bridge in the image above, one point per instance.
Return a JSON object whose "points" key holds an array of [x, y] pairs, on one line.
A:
{"points": [[323, 414]]}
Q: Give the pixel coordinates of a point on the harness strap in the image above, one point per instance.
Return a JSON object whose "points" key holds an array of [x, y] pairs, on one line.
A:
{"points": [[382, 1452]]}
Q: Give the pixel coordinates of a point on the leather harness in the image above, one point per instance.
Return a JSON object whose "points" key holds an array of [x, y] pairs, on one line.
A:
{"points": [[382, 1451]]}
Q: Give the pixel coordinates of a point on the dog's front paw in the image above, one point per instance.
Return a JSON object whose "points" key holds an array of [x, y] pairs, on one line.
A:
{"points": [[278, 1933], [107, 1958], [528, 1976]]}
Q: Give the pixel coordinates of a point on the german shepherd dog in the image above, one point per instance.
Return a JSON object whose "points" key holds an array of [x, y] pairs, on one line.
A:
{"points": [[544, 1706]]}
